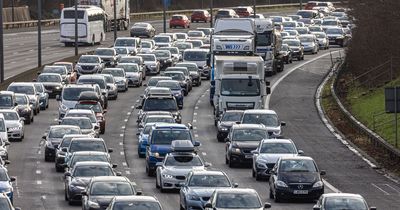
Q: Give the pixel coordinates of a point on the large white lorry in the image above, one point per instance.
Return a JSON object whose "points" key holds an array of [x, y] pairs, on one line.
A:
{"points": [[123, 12], [239, 83], [268, 45]]}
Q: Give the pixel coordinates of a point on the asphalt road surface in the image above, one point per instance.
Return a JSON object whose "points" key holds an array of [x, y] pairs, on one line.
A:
{"points": [[39, 187]]}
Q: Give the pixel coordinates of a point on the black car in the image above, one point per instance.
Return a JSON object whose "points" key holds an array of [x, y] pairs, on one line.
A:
{"points": [[164, 57], [77, 179], [228, 119], [241, 140], [337, 36], [296, 177], [296, 47], [165, 103], [53, 139], [102, 189], [60, 155], [287, 54]]}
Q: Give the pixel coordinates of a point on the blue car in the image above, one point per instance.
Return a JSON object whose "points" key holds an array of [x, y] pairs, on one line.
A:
{"points": [[6, 183], [159, 142], [143, 137]]}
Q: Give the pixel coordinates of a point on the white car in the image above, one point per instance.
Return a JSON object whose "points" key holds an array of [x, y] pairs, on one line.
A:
{"points": [[269, 118], [3, 138], [14, 124]]}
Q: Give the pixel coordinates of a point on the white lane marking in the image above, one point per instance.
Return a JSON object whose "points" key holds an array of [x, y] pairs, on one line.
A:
{"points": [[126, 120], [129, 113], [123, 127], [195, 114], [390, 186], [121, 153], [38, 182], [39, 152], [194, 128], [196, 107], [16, 186], [38, 172], [294, 68], [204, 154], [127, 172], [199, 101], [196, 135], [121, 143], [386, 193], [124, 164], [43, 197], [121, 135], [194, 121]]}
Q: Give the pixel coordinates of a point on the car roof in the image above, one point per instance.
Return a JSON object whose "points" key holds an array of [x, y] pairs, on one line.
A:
{"points": [[91, 76], [267, 141], [249, 126], [110, 179], [174, 72], [78, 86], [259, 111], [195, 50], [21, 84], [136, 198], [169, 126], [236, 190], [91, 163], [342, 195], [76, 118], [52, 74]]}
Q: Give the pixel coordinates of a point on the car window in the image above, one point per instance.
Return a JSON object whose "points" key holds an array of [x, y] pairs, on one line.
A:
{"points": [[137, 205], [249, 135], [338, 203], [60, 132], [265, 119], [155, 104], [111, 188], [83, 158], [85, 145], [278, 148], [209, 181], [236, 200], [6, 100], [167, 136], [183, 161], [297, 166], [10, 115]]}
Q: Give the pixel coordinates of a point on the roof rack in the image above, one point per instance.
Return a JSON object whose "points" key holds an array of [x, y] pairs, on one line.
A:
{"points": [[182, 146]]}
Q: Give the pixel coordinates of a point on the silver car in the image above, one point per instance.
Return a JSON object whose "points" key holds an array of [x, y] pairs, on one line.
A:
{"points": [[111, 86], [84, 124], [119, 76], [268, 152], [238, 199], [133, 73], [14, 124]]}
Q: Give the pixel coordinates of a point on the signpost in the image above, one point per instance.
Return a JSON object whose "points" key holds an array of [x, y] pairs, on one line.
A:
{"points": [[392, 105]]}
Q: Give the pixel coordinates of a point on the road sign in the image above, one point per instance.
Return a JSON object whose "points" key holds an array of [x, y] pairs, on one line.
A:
{"points": [[392, 99]]}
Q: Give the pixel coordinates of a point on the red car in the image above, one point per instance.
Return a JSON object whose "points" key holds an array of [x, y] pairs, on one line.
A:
{"points": [[200, 15], [244, 11], [179, 21]]}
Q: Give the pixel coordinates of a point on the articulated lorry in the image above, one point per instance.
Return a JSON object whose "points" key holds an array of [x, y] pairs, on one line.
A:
{"points": [[239, 83], [123, 12]]}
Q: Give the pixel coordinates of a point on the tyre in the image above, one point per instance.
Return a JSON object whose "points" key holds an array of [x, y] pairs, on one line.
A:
{"points": [[226, 160], [231, 164], [59, 169], [157, 184], [277, 199], [253, 173], [299, 58], [271, 196], [32, 119], [47, 159], [65, 195]]}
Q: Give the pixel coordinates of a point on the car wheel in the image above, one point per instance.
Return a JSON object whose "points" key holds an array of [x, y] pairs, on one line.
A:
{"points": [[47, 105], [253, 173], [157, 183], [65, 195], [35, 112], [181, 207], [226, 160], [271, 196], [230, 164], [258, 177]]}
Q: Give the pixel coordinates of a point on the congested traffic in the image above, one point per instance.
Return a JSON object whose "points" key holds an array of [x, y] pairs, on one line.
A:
{"points": [[235, 59]]}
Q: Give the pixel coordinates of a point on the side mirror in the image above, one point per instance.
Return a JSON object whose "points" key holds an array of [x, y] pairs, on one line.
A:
{"points": [[158, 164], [114, 165], [235, 185], [316, 207], [67, 174], [139, 192], [118, 173], [84, 193], [322, 172], [58, 98], [22, 119], [267, 205], [7, 162], [145, 84], [300, 152], [110, 150], [139, 107], [372, 208], [7, 143], [39, 72], [254, 152], [64, 149], [15, 104], [207, 164], [190, 126], [56, 146], [13, 179], [138, 134], [283, 123], [208, 205], [268, 90], [197, 144]]}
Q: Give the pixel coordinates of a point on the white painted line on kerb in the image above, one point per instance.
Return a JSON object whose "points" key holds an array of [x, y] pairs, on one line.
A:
{"points": [[39, 152], [390, 186], [121, 143], [128, 113], [39, 182], [194, 128], [38, 172], [121, 153], [386, 193], [124, 164], [196, 107], [294, 68], [121, 135], [327, 184]]}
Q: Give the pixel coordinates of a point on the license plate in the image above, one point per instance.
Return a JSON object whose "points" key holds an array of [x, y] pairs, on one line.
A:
{"points": [[300, 192], [248, 156]]}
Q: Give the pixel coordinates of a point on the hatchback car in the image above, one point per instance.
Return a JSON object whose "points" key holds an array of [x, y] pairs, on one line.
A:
{"points": [[239, 199], [225, 123], [135, 202], [200, 15], [179, 21], [332, 201]]}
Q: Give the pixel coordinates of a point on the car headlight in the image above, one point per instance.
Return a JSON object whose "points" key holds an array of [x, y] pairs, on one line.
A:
{"points": [[235, 150], [318, 184], [154, 154], [194, 197], [63, 108], [281, 184], [261, 165], [168, 176], [93, 205]]}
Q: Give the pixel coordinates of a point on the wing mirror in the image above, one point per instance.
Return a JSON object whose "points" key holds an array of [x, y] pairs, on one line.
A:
{"points": [[66, 174], [114, 165], [110, 150], [13, 179], [316, 207], [283, 123], [322, 172], [267, 205]]}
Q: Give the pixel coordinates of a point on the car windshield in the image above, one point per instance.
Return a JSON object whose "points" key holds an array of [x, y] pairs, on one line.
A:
{"points": [[175, 76], [301, 30], [190, 67], [240, 87], [84, 158], [195, 56], [100, 82], [3, 175], [184, 46], [90, 171], [231, 117], [160, 120], [125, 43], [162, 39], [306, 39], [121, 50], [249, 135], [305, 14], [82, 123], [334, 31], [285, 48], [4, 203], [55, 69], [148, 57], [10, 115], [60, 132], [195, 34], [88, 59], [162, 54], [111, 188], [238, 200], [72, 94], [167, 136], [278, 148], [320, 35], [136, 205], [172, 50], [265, 119], [88, 115], [109, 78], [329, 23], [6, 100], [184, 160], [170, 85], [348, 203], [39, 87], [180, 36], [209, 181], [160, 104], [289, 24], [26, 89], [49, 78], [277, 19], [129, 68], [87, 145], [104, 52], [196, 43], [140, 24], [153, 82], [293, 43], [298, 165], [146, 45], [115, 73], [66, 142], [96, 107]]}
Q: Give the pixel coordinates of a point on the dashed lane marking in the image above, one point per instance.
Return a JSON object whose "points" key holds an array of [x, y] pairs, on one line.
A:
{"points": [[127, 172], [121, 153], [38, 182], [38, 172], [204, 154], [121, 135], [377, 187], [124, 164], [121, 143]]}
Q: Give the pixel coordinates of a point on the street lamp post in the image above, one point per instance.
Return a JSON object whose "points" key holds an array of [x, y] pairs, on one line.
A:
{"points": [[115, 20], [165, 16], [39, 33], [1, 44], [211, 12], [76, 28]]}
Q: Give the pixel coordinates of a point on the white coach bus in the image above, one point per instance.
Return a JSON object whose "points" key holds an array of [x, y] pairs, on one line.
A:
{"points": [[91, 25]]}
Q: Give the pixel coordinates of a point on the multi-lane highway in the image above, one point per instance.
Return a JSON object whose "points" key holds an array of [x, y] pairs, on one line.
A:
{"points": [[38, 186]]}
